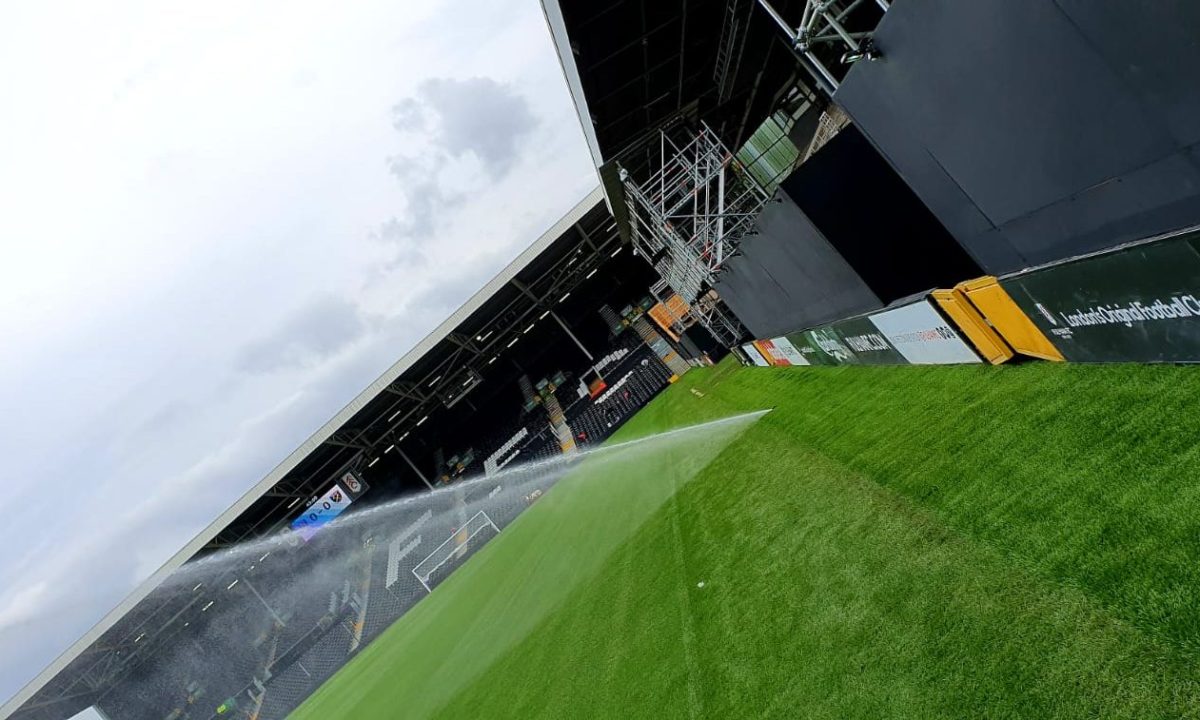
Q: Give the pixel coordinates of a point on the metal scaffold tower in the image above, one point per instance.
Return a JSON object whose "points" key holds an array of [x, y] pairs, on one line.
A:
{"points": [[713, 314], [688, 218]]}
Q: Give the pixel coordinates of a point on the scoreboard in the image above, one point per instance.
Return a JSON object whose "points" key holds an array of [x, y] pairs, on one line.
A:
{"points": [[324, 509]]}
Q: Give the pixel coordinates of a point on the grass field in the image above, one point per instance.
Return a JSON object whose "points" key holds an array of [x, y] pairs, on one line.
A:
{"points": [[888, 542]]}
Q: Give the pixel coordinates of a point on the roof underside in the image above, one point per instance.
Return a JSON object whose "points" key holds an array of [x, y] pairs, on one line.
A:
{"points": [[647, 64]]}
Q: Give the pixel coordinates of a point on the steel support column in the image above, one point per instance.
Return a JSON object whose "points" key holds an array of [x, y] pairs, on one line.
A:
{"points": [[571, 335], [414, 467]]}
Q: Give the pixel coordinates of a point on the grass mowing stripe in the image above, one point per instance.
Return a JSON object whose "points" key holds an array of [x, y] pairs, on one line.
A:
{"points": [[1085, 474], [687, 639], [826, 596]]}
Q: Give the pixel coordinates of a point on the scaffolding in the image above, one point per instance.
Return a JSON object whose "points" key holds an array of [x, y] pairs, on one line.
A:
{"points": [[675, 314], [734, 31], [688, 218], [832, 122], [712, 312], [708, 310]]}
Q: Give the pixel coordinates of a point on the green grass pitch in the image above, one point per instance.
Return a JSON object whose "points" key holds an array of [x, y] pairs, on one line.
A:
{"points": [[1014, 542]]}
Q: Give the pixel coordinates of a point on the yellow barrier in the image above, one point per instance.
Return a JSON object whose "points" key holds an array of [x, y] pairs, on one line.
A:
{"points": [[986, 340], [1013, 325]]}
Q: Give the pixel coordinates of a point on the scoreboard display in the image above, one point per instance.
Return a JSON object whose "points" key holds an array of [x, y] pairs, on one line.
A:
{"points": [[324, 509]]}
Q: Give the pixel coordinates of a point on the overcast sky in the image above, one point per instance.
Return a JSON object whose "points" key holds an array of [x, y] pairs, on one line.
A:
{"points": [[220, 221]]}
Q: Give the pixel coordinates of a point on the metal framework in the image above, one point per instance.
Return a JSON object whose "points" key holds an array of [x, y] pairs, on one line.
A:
{"points": [[829, 24], [831, 123], [663, 294], [734, 31], [688, 218], [712, 312], [708, 310]]}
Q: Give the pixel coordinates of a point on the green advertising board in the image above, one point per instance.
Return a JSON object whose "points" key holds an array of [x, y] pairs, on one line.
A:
{"points": [[1139, 303], [847, 342], [869, 345], [806, 348]]}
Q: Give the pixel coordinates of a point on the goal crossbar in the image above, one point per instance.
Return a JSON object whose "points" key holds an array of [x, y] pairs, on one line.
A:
{"points": [[476, 524]]}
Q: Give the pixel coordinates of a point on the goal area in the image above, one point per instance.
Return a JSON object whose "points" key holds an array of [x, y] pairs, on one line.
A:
{"points": [[456, 547]]}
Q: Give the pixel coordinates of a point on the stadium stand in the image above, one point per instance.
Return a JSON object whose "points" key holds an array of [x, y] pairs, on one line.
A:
{"points": [[505, 454]]}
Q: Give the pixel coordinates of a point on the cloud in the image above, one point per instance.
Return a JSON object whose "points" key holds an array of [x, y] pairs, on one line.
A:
{"points": [[477, 121], [166, 418], [23, 604], [408, 115], [477, 116], [169, 394], [315, 332], [445, 297], [424, 199]]}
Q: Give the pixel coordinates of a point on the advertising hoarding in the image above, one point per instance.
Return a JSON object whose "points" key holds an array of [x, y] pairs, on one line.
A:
{"points": [[915, 333], [754, 355], [848, 342], [1139, 303], [788, 353], [920, 333], [770, 353], [868, 344]]}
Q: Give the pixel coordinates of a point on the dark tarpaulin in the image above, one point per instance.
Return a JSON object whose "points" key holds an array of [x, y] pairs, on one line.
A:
{"points": [[1037, 131]]}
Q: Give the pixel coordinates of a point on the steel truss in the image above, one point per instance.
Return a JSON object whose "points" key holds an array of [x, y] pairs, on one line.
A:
{"points": [[829, 24], [712, 312]]}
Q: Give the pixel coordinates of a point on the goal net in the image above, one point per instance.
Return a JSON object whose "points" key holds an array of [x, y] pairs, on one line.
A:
{"points": [[474, 532]]}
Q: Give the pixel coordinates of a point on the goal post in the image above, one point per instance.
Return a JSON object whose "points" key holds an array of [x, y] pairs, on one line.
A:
{"points": [[453, 547]]}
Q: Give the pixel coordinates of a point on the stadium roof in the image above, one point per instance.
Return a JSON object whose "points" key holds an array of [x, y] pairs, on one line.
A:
{"points": [[634, 66], [442, 368], [637, 66]]}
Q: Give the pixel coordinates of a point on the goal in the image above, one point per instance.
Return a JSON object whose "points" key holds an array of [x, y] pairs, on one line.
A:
{"points": [[454, 547]]}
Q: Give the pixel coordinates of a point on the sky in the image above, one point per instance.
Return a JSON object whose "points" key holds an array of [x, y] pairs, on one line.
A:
{"points": [[220, 221]]}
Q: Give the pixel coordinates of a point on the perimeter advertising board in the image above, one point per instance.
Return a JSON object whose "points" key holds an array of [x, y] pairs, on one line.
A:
{"points": [[821, 347], [920, 333], [849, 342], [870, 347], [755, 356], [779, 352], [786, 353], [1139, 303], [915, 333]]}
